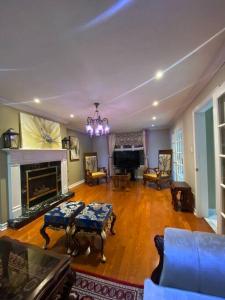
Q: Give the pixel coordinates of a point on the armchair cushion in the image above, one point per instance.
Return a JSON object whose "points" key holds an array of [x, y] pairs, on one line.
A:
{"points": [[194, 261], [151, 175], [156, 292], [98, 174]]}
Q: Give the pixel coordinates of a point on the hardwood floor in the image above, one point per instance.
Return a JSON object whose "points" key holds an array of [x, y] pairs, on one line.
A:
{"points": [[141, 213]]}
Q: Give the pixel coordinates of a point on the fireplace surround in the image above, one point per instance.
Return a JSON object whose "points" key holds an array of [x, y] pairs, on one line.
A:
{"points": [[28, 160]]}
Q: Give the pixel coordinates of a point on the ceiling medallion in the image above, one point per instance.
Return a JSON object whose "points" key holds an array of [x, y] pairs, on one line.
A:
{"points": [[96, 126]]}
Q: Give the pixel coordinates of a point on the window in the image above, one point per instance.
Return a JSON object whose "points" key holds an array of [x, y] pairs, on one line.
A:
{"points": [[178, 155]]}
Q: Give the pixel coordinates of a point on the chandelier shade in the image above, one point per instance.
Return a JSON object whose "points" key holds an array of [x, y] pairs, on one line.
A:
{"points": [[95, 125]]}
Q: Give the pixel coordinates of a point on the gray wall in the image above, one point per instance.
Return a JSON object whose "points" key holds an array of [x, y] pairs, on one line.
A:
{"points": [[185, 121], [75, 168], [210, 157], [158, 140], [100, 145]]}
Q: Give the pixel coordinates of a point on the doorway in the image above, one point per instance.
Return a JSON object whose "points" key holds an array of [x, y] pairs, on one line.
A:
{"points": [[205, 164]]}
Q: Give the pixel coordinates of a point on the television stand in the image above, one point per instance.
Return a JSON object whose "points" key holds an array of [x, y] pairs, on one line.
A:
{"points": [[127, 171]]}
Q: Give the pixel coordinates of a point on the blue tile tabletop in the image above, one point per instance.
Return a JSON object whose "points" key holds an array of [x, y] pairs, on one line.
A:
{"points": [[63, 213], [94, 216]]}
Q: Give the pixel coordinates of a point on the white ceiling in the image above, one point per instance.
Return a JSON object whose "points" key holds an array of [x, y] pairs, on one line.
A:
{"points": [[47, 52]]}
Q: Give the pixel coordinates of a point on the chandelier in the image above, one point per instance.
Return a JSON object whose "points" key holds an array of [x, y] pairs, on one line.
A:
{"points": [[97, 126]]}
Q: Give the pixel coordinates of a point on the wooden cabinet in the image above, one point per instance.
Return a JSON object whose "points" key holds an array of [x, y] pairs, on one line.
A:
{"points": [[182, 197]]}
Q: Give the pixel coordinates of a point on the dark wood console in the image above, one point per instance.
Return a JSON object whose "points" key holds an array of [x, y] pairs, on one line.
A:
{"points": [[182, 197]]}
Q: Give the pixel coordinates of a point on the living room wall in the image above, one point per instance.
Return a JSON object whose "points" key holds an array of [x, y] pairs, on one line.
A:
{"points": [[75, 168], [158, 140], [185, 121]]}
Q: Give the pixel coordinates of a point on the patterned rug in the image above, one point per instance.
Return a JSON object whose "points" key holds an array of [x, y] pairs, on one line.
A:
{"points": [[89, 287]]}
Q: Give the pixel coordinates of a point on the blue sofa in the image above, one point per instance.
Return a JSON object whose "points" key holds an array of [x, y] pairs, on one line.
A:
{"points": [[193, 267]]}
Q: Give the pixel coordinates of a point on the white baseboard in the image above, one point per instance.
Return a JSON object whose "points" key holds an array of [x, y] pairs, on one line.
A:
{"points": [[73, 185], [3, 226]]}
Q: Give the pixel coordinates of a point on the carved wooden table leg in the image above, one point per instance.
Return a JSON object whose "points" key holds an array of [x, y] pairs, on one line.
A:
{"points": [[69, 230], [103, 237], [113, 223], [76, 244], [45, 235]]}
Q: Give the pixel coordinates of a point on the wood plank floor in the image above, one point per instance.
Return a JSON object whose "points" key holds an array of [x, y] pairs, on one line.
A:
{"points": [[141, 213]]}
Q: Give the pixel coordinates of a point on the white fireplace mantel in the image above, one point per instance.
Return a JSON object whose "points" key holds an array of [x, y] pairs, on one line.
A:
{"points": [[18, 157]]}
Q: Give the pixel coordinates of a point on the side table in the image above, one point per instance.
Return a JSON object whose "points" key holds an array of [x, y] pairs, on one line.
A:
{"points": [[182, 197], [121, 181], [30, 273]]}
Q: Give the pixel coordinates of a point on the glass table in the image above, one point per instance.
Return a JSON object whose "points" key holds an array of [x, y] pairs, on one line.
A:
{"points": [[27, 272]]}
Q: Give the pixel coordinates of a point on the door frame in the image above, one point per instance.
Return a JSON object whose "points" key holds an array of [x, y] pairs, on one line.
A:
{"points": [[200, 157]]}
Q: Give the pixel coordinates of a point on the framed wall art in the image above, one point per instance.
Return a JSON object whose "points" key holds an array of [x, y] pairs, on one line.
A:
{"points": [[74, 148], [39, 133]]}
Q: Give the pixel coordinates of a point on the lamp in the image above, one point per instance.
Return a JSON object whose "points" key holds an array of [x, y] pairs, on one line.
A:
{"points": [[66, 143], [97, 126], [11, 139]]}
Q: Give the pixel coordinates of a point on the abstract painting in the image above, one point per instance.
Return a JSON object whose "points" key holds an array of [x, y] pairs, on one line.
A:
{"points": [[74, 148], [39, 133]]}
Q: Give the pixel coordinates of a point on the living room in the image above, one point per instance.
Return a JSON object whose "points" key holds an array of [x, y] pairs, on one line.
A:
{"points": [[111, 149]]}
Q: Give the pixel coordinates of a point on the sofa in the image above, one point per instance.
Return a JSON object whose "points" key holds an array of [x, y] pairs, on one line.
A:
{"points": [[191, 267]]}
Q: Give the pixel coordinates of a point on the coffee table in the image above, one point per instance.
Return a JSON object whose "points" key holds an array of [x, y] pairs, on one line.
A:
{"points": [[30, 273], [94, 219], [62, 217]]}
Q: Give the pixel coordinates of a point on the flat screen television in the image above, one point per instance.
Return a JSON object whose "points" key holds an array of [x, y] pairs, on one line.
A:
{"points": [[128, 159]]}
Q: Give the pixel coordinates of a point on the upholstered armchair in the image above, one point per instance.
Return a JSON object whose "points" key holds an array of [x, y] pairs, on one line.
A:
{"points": [[161, 174], [191, 267], [93, 174]]}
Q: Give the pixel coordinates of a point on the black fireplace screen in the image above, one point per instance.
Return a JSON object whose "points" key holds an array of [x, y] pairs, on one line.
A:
{"points": [[39, 182]]}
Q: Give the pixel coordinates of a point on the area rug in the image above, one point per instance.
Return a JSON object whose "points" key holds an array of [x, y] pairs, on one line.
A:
{"points": [[89, 287]]}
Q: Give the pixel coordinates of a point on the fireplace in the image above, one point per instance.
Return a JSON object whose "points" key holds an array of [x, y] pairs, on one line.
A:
{"points": [[39, 182]]}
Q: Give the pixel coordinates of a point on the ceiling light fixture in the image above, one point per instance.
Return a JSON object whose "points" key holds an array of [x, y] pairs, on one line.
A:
{"points": [[159, 74], [72, 116], [36, 100], [155, 103], [97, 126], [154, 118]]}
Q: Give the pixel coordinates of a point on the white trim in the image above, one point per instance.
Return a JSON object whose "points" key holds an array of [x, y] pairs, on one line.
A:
{"points": [[221, 125], [219, 91], [3, 226], [73, 185], [222, 214], [201, 178]]}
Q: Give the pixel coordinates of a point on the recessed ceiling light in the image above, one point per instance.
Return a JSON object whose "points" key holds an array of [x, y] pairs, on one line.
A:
{"points": [[154, 118], [159, 74], [155, 103], [153, 125], [36, 100], [72, 116]]}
